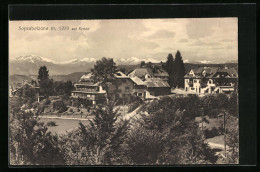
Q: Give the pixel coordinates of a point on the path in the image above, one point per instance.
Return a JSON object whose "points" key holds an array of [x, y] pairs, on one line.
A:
{"points": [[69, 118]]}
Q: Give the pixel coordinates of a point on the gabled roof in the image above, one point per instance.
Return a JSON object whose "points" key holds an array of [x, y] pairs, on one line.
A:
{"points": [[211, 72], [156, 72], [137, 81], [140, 72], [120, 74], [156, 82]]}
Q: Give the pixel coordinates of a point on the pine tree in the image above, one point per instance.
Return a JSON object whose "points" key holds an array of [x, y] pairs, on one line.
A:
{"points": [[179, 71], [104, 137], [44, 81], [169, 67]]}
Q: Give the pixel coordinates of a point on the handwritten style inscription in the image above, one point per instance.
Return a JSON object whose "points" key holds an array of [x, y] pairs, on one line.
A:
{"points": [[61, 28]]}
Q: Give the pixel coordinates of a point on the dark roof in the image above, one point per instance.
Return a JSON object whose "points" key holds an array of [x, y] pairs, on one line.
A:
{"points": [[211, 72], [156, 82], [160, 72], [137, 81], [156, 72], [141, 72]]}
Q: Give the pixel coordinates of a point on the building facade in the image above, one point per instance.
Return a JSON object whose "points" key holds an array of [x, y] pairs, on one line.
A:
{"points": [[157, 87], [211, 80], [89, 91]]}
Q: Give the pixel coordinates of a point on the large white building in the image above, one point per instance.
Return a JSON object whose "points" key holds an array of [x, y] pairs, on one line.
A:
{"points": [[211, 80]]}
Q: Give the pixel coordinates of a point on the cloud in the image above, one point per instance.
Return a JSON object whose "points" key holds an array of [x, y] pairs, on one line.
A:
{"points": [[162, 34], [204, 43], [211, 39], [198, 28], [183, 40]]}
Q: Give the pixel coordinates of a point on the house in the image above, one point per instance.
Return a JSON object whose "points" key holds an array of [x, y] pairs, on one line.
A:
{"points": [[157, 87], [211, 80], [140, 87], [15, 87], [150, 72], [88, 90], [122, 87]]}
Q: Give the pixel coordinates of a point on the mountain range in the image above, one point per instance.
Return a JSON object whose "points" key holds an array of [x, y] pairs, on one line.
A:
{"points": [[30, 64]]}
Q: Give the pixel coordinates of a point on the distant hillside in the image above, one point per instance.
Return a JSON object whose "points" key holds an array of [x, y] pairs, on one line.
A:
{"points": [[128, 68], [30, 64], [19, 78], [73, 77]]}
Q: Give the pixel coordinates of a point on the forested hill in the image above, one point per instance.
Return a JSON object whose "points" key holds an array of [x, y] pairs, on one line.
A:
{"points": [[74, 77]]}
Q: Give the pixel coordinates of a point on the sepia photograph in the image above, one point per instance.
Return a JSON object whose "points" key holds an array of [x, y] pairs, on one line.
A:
{"points": [[158, 91]]}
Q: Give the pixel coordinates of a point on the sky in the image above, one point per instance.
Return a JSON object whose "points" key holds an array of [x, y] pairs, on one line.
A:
{"points": [[206, 40]]}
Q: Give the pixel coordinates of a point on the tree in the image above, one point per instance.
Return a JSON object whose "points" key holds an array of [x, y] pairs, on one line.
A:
{"points": [[104, 71], [44, 81], [169, 67], [62, 88], [27, 94], [31, 143], [179, 71], [142, 64], [100, 142], [232, 140], [122, 69]]}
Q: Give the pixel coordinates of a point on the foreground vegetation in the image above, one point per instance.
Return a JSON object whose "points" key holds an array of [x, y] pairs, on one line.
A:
{"points": [[165, 133]]}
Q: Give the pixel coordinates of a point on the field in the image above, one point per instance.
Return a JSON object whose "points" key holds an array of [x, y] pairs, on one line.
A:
{"points": [[63, 125]]}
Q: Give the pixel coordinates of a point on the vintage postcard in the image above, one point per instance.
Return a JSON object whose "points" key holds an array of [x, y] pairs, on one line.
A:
{"points": [[123, 91]]}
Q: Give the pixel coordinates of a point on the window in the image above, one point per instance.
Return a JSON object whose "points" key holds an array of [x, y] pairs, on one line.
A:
{"points": [[140, 94], [126, 89], [195, 81]]}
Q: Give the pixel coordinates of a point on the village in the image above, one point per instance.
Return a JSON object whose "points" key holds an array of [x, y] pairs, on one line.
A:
{"points": [[61, 106], [150, 82], [124, 92]]}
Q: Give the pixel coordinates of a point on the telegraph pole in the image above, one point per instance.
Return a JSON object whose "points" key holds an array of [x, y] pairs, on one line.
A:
{"points": [[225, 133]]}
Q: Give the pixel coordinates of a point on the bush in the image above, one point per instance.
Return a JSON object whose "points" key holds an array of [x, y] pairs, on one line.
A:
{"points": [[133, 106], [212, 133], [51, 123], [60, 106], [71, 110], [47, 102]]}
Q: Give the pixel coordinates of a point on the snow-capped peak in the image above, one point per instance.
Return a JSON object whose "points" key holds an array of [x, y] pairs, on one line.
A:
{"points": [[32, 58], [135, 60], [78, 60]]}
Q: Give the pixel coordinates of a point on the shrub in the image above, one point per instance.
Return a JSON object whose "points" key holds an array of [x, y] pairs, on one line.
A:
{"points": [[133, 106], [60, 106], [47, 102], [51, 123], [136, 101], [71, 110], [212, 133]]}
